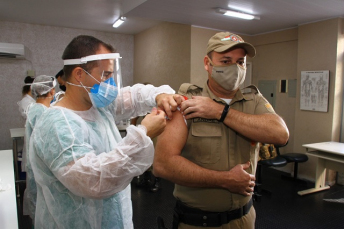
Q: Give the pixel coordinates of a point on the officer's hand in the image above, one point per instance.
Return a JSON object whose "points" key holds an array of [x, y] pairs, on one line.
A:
{"points": [[169, 102], [201, 107], [154, 122], [239, 181]]}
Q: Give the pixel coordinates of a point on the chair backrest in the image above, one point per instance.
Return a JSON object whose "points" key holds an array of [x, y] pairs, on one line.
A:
{"points": [[279, 146]]}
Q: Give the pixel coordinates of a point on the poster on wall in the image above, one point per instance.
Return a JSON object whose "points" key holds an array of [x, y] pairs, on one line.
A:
{"points": [[314, 90]]}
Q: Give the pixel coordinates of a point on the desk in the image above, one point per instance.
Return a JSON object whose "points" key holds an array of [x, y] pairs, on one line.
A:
{"points": [[16, 134], [329, 155], [8, 204]]}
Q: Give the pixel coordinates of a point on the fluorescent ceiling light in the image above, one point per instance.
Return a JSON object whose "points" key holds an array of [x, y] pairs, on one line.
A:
{"points": [[118, 22], [237, 14]]}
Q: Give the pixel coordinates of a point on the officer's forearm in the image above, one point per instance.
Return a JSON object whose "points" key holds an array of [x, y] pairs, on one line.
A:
{"points": [[181, 171], [267, 128]]}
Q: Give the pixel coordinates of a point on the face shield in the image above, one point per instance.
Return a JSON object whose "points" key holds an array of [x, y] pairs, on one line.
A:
{"points": [[42, 85], [106, 71]]}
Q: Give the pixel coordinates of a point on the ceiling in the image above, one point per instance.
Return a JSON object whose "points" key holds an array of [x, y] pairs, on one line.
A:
{"points": [[143, 14]]}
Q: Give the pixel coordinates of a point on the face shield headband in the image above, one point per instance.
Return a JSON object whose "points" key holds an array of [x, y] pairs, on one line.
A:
{"points": [[106, 56]]}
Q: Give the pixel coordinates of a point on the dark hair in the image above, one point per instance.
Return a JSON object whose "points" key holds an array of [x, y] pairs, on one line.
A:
{"points": [[82, 46], [60, 73], [26, 88], [210, 54]]}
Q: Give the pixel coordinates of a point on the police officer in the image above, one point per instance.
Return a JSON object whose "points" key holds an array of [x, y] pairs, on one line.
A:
{"points": [[210, 148]]}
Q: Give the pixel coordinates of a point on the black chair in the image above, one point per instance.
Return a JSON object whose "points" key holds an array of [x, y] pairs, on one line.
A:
{"points": [[293, 157], [296, 158], [277, 161]]}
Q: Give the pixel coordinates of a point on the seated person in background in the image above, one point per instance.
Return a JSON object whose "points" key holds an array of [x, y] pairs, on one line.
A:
{"points": [[212, 160], [43, 89]]}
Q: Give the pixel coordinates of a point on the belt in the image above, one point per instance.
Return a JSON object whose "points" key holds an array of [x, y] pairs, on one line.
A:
{"points": [[197, 217]]}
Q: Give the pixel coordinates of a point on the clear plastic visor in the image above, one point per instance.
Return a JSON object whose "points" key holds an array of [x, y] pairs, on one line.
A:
{"points": [[103, 67]]}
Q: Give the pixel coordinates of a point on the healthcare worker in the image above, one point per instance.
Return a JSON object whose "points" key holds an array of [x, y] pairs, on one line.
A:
{"points": [[59, 95], [43, 89], [82, 166], [27, 98]]}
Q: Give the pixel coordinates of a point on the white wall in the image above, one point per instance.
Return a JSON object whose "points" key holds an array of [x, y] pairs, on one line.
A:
{"points": [[162, 55], [46, 44]]}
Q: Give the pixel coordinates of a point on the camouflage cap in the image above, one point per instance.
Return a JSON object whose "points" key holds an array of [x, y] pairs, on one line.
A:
{"points": [[223, 41]]}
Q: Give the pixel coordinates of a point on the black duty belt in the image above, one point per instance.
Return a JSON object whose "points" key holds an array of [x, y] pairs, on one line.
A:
{"points": [[197, 217]]}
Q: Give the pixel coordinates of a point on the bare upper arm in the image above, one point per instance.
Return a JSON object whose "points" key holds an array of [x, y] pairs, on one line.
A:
{"points": [[174, 137]]}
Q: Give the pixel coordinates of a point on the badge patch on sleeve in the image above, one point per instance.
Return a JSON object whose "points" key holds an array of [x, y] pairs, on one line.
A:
{"points": [[269, 107]]}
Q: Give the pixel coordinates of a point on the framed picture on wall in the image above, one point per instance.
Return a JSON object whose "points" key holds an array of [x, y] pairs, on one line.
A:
{"points": [[314, 90]]}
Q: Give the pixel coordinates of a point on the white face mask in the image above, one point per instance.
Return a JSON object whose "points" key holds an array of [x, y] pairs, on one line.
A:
{"points": [[230, 77]]}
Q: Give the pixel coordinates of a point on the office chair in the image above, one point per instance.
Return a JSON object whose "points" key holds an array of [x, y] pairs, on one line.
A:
{"points": [[293, 157], [296, 158]]}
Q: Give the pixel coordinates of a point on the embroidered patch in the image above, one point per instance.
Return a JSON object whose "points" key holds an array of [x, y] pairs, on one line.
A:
{"points": [[269, 107], [232, 37]]}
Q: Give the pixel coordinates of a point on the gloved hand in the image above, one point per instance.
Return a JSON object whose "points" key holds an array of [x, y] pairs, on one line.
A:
{"points": [[154, 122]]}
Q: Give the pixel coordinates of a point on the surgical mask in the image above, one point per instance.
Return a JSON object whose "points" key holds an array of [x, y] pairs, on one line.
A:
{"points": [[102, 94], [230, 77], [53, 100]]}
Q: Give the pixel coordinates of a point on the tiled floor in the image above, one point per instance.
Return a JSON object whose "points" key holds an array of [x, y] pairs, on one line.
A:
{"points": [[282, 209]]}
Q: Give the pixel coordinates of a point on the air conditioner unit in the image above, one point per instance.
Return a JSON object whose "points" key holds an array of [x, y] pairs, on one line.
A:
{"points": [[14, 51]]}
